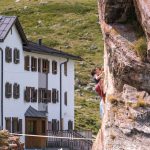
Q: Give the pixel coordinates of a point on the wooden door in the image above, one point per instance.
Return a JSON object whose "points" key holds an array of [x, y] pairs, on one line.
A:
{"points": [[35, 126]]}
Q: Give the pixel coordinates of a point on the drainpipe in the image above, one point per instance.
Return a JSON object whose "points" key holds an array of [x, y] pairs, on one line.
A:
{"points": [[61, 91], [1, 87]]}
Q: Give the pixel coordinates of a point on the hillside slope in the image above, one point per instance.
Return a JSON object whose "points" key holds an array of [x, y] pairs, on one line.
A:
{"points": [[71, 26]]}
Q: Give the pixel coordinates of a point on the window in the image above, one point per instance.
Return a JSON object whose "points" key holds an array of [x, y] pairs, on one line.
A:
{"points": [[43, 95], [54, 67], [33, 92], [65, 98], [39, 65], [16, 91], [30, 94], [49, 125], [8, 90], [14, 125], [27, 63], [8, 124], [33, 64], [65, 69], [32, 126], [8, 54], [70, 125], [16, 56], [45, 66]]}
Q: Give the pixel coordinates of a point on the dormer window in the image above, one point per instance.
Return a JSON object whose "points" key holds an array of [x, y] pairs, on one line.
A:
{"points": [[8, 54], [16, 56], [54, 67]]}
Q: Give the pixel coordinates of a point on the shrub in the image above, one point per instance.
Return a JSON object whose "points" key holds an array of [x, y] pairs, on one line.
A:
{"points": [[141, 48], [113, 100]]}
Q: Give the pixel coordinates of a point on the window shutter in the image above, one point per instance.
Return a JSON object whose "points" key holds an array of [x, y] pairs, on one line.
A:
{"points": [[39, 95], [39, 65], [27, 63], [49, 96], [33, 64], [8, 54], [15, 91], [65, 98], [6, 90], [32, 94], [70, 125], [35, 95], [57, 125], [54, 67], [18, 91], [47, 66], [16, 56], [57, 96], [54, 95], [20, 126], [27, 94], [65, 69], [8, 124]]}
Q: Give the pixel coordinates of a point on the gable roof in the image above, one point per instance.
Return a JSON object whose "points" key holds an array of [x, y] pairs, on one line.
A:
{"points": [[42, 49], [6, 23], [31, 112]]}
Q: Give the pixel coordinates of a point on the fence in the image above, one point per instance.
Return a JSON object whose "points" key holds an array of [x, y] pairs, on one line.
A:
{"points": [[75, 140]]}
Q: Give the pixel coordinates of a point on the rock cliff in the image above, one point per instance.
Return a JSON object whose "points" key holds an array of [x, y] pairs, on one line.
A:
{"points": [[125, 26]]}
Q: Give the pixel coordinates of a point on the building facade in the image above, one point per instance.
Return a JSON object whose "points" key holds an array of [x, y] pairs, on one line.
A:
{"points": [[36, 82]]}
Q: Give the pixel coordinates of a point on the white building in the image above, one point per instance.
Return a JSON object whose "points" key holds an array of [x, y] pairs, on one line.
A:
{"points": [[36, 84]]}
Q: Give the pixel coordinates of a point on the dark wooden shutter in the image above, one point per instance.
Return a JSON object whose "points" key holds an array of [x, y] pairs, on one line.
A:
{"points": [[39, 95], [49, 96], [70, 125], [65, 69], [8, 90], [39, 65], [57, 96], [54, 95], [54, 67], [57, 125], [33, 64], [65, 98], [15, 91], [47, 66], [20, 126], [27, 63], [16, 56], [8, 54], [27, 94], [8, 124]]}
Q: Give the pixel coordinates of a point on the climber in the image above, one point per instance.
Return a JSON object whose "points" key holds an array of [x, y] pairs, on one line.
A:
{"points": [[98, 75]]}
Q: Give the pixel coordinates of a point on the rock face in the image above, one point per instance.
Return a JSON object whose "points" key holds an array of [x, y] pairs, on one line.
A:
{"points": [[126, 122]]}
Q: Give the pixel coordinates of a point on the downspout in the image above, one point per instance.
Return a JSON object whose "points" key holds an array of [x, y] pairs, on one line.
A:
{"points": [[1, 87], [61, 91]]}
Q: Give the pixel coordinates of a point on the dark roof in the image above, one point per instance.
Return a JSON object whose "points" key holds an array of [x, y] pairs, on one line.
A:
{"points": [[36, 48], [31, 112], [6, 22]]}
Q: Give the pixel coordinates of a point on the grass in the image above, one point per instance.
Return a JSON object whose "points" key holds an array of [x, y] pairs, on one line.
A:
{"points": [[71, 26]]}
